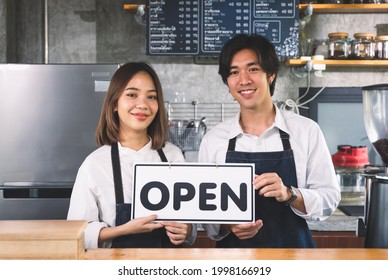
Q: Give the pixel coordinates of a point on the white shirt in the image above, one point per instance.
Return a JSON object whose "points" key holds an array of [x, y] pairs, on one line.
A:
{"points": [[93, 195], [314, 167]]}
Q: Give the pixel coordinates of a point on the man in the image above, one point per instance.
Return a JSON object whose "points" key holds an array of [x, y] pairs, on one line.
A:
{"points": [[295, 179]]}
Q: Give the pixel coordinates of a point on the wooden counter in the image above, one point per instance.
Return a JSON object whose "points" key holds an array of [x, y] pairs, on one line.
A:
{"points": [[61, 239], [236, 254], [42, 239]]}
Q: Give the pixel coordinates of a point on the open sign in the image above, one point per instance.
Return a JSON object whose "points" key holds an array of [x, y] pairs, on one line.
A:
{"points": [[194, 193]]}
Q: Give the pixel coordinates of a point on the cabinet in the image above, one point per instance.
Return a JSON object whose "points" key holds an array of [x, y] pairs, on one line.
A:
{"points": [[323, 239], [203, 241], [337, 239], [344, 8], [42, 239]]}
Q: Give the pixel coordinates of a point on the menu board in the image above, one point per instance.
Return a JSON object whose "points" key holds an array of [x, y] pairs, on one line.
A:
{"points": [[201, 27]]}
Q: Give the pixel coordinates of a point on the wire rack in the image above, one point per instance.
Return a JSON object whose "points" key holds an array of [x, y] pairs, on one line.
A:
{"points": [[190, 121], [213, 112]]}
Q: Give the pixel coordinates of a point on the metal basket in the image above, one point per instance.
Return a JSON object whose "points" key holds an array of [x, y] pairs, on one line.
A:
{"points": [[187, 132], [187, 135]]}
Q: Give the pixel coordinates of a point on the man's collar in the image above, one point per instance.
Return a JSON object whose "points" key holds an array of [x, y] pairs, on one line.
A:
{"points": [[280, 123], [235, 128]]}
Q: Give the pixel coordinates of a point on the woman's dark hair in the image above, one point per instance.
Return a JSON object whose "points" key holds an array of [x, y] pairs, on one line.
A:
{"points": [[109, 125], [266, 53]]}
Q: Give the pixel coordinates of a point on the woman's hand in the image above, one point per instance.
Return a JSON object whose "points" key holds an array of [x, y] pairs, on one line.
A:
{"points": [[177, 232], [141, 225]]}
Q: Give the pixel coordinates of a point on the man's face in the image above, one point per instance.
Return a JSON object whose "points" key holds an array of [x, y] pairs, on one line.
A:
{"points": [[247, 82]]}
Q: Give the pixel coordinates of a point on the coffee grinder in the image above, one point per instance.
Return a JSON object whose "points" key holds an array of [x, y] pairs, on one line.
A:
{"points": [[375, 104]]}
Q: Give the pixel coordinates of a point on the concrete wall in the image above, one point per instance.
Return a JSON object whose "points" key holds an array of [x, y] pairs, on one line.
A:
{"points": [[3, 33], [23, 30], [101, 31]]}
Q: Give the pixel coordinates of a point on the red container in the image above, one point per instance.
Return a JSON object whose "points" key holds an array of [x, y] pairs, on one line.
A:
{"points": [[351, 156]]}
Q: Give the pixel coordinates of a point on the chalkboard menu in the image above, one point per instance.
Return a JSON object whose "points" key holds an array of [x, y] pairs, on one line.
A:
{"points": [[201, 27]]}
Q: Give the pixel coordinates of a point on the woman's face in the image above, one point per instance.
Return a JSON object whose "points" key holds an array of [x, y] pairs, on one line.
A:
{"points": [[138, 104], [247, 82]]}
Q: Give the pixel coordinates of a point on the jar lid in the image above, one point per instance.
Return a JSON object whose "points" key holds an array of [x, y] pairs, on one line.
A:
{"points": [[363, 35], [382, 38], [338, 34], [351, 156]]}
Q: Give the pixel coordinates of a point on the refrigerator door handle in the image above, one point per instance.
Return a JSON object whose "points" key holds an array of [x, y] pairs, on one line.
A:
{"points": [[35, 190], [39, 185]]}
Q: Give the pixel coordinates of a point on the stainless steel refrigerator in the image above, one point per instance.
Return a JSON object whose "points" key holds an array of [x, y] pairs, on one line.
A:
{"points": [[48, 119]]}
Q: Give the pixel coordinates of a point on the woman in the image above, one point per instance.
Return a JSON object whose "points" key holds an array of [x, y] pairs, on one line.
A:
{"points": [[132, 128]]}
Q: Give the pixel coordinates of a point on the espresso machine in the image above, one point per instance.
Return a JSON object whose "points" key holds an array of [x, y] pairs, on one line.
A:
{"points": [[375, 104]]}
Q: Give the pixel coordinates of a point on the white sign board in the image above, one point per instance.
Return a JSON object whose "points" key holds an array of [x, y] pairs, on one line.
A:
{"points": [[194, 193]]}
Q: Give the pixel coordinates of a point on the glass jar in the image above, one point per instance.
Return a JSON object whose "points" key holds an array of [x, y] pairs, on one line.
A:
{"points": [[338, 45], [382, 47], [363, 46], [333, 1], [366, 1]]}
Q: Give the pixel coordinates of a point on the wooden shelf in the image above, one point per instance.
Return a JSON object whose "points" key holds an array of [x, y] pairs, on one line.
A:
{"points": [[340, 63], [322, 8], [346, 8], [342, 9]]}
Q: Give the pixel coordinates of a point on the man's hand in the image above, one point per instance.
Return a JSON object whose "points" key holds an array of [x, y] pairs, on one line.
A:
{"points": [[246, 231]]}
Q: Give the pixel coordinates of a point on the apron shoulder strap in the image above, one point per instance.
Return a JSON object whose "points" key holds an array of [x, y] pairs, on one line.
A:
{"points": [[232, 144], [285, 140], [118, 183], [162, 156]]}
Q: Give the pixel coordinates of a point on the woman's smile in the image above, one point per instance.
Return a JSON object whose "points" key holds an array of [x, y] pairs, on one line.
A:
{"points": [[140, 116]]}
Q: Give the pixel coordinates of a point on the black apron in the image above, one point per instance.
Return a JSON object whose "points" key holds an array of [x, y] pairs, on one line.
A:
{"points": [[282, 228], [157, 238]]}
